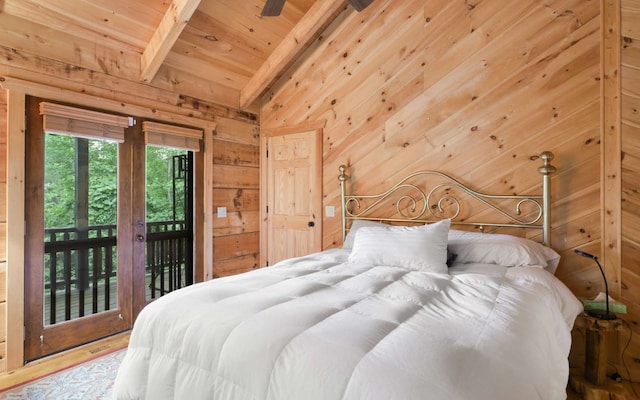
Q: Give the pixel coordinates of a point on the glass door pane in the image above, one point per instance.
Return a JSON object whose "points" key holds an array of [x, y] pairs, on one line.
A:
{"points": [[80, 198], [169, 220]]}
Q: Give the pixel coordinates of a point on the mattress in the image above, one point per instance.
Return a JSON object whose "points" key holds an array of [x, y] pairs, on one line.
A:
{"points": [[321, 327]]}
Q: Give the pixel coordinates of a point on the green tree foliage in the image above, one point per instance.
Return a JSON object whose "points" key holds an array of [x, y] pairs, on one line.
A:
{"points": [[59, 182], [103, 182], [160, 185]]}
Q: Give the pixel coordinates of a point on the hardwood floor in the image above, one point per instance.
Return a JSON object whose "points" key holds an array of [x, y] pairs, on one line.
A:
{"points": [[56, 362]]}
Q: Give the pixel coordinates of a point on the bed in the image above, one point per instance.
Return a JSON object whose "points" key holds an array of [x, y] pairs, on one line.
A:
{"points": [[415, 305]]}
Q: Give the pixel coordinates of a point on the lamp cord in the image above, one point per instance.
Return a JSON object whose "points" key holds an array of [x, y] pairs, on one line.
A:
{"points": [[624, 363]]}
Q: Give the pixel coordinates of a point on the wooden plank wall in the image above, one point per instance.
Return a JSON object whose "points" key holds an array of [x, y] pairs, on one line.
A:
{"points": [[630, 100], [236, 181], [475, 89], [3, 228]]}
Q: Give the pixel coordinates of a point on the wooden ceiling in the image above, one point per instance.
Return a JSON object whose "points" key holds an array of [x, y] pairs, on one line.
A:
{"points": [[220, 46]]}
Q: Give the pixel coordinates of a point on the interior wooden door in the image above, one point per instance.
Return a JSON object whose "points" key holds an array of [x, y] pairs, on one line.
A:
{"points": [[77, 285], [294, 195]]}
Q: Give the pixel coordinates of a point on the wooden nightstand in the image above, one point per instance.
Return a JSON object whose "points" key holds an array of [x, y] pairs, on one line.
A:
{"points": [[600, 339]]}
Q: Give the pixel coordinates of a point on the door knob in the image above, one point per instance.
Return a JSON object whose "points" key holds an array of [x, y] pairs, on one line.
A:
{"points": [[311, 224]]}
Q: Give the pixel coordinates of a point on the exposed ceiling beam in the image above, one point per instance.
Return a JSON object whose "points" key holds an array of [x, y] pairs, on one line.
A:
{"points": [[321, 13], [163, 39]]}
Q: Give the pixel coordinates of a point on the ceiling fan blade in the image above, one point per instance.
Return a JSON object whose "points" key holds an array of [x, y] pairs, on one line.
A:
{"points": [[360, 5], [272, 8]]}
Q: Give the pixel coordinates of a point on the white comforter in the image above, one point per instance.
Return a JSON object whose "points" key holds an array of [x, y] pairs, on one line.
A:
{"points": [[319, 327]]}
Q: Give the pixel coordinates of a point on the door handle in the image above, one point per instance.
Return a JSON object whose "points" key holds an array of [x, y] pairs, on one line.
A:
{"points": [[311, 224], [140, 238]]}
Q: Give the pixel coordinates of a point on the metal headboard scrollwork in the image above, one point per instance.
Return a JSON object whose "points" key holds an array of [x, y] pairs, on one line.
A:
{"points": [[447, 198]]}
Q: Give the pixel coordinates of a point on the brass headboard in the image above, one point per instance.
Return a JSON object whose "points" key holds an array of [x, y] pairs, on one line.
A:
{"points": [[417, 200]]}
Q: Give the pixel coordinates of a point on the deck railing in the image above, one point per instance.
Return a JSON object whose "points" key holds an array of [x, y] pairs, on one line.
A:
{"points": [[81, 267], [169, 249]]}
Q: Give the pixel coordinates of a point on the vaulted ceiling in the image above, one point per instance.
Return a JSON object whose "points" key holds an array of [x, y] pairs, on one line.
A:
{"points": [[216, 50]]}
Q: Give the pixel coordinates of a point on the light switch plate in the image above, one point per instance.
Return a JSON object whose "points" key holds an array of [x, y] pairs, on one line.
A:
{"points": [[330, 211], [222, 212]]}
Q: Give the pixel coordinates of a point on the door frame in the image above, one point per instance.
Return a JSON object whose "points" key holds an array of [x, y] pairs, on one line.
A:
{"points": [[16, 91], [318, 127], [55, 338]]}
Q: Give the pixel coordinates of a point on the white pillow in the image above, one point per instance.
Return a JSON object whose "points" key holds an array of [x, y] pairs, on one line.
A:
{"points": [[355, 225], [508, 250], [421, 248]]}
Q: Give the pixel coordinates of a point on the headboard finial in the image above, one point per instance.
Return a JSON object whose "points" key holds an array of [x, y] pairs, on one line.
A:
{"points": [[546, 168], [343, 169]]}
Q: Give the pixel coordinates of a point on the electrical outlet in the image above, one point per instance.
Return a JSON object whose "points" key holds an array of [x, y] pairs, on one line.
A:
{"points": [[222, 212], [330, 211]]}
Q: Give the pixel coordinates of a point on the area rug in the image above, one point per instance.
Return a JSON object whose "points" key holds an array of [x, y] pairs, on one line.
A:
{"points": [[91, 380]]}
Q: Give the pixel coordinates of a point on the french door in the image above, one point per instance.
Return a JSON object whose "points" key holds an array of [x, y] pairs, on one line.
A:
{"points": [[103, 235]]}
